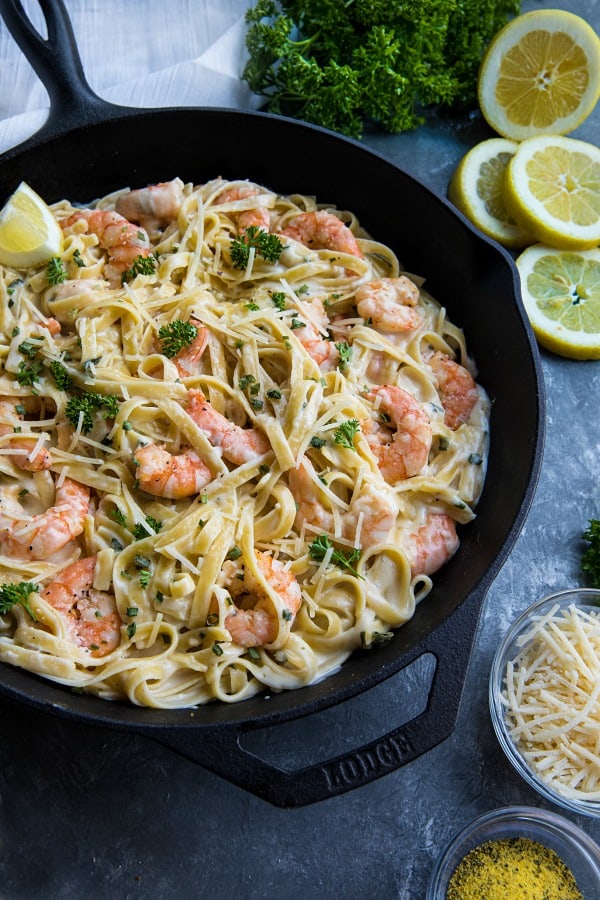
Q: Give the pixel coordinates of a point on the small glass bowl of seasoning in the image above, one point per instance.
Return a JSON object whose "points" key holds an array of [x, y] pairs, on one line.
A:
{"points": [[518, 853], [544, 696]]}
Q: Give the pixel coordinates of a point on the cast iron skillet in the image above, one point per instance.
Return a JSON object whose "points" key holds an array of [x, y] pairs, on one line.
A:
{"points": [[89, 147]]}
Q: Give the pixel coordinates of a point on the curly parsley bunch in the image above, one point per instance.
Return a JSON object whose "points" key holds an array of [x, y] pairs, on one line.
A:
{"points": [[341, 64]]}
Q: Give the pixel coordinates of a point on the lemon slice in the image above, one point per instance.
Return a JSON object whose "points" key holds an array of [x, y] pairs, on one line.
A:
{"points": [[552, 189], [540, 75], [477, 189], [29, 233], [561, 294]]}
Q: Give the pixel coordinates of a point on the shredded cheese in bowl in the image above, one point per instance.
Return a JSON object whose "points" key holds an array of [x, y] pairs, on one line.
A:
{"points": [[545, 698]]}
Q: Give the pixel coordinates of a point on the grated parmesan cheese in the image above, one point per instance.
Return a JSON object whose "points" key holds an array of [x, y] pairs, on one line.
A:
{"points": [[552, 701]]}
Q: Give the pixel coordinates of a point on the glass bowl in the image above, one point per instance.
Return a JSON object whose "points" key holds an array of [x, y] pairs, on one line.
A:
{"points": [[514, 642], [576, 849]]}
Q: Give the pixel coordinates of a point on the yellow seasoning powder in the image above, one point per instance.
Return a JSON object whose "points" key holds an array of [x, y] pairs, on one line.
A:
{"points": [[512, 869]]}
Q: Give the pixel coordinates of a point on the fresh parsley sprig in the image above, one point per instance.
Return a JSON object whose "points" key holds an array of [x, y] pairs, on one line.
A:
{"points": [[11, 594], [345, 433], [176, 336], [141, 265], [320, 546], [590, 560], [342, 65], [266, 245], [87, 404]]}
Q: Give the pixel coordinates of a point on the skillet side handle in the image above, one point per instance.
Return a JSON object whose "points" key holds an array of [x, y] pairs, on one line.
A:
{"points": [[58, 64], [222, 753]]}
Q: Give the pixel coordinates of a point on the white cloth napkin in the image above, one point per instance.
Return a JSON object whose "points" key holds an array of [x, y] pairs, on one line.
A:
{"points": [[142, 53]]}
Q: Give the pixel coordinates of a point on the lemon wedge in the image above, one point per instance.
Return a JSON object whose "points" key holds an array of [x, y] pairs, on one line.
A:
{"points": [[561, 294], [552, 189], [540, 75], [29, 233], [477, 189]]}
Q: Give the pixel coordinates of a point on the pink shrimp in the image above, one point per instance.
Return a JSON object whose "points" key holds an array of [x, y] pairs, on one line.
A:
{"points": [[188, 357], [371, 515], [167, 475], [311, 335], [38, 537], [432, 545], [91, 616], [152, 207], [238, 445], [254, 621], [456, 387], [389, 304], [257, 217], [124, 241], [401, 453], [23, 447], [320, 230]]}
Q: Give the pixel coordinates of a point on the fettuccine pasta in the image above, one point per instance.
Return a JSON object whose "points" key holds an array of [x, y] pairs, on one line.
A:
{"points": [[236, 442]]}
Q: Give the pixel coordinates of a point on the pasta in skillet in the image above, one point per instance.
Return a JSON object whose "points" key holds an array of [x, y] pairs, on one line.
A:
{"points": [[236, 441]]}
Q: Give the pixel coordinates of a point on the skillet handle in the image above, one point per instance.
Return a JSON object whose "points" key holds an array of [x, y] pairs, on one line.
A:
{"points": [[58, 64], [222, 753]]}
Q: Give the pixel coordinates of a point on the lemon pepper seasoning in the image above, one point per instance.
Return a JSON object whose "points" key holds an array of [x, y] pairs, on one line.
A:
{"points": [[512, 869]]}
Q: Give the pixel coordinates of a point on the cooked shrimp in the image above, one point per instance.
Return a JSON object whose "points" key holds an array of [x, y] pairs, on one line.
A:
{"points": [[24, 447], [38, 537], [123, 240], [456, 387], [91, 616], [311, 335], [321, 230], [258, 217], [371, 515], [188, 357], [152, 207], [164, 474], [253, 620], [429, 548], [238, 445], [401, 453], [389, 304]]}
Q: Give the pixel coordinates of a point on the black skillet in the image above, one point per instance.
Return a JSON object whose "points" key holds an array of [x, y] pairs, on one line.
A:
{"points": [[88, 148]]}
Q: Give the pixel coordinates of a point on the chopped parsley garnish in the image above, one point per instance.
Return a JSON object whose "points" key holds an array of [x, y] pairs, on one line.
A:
{"points": [[317, 442], [476, 459], [266, 245], [217, 649], [274, 394], [319, 547], [246, 381], [132, 611], [376, 639], [139, 532], [61, 376], [55, 271], [28, 375], [345, 351], [142, 265], [78, 259], [28, 349], [279, 299], [345, 433], [234, 553], [175, 336], [11, 594], [119, 517], [131, 629]]}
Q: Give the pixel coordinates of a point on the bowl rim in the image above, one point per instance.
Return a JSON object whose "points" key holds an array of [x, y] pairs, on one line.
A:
{"points": [[543, 820], [563, 598]]}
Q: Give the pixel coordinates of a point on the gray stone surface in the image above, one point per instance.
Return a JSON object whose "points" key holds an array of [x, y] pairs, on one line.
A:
{"points": [[87, 812]]}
